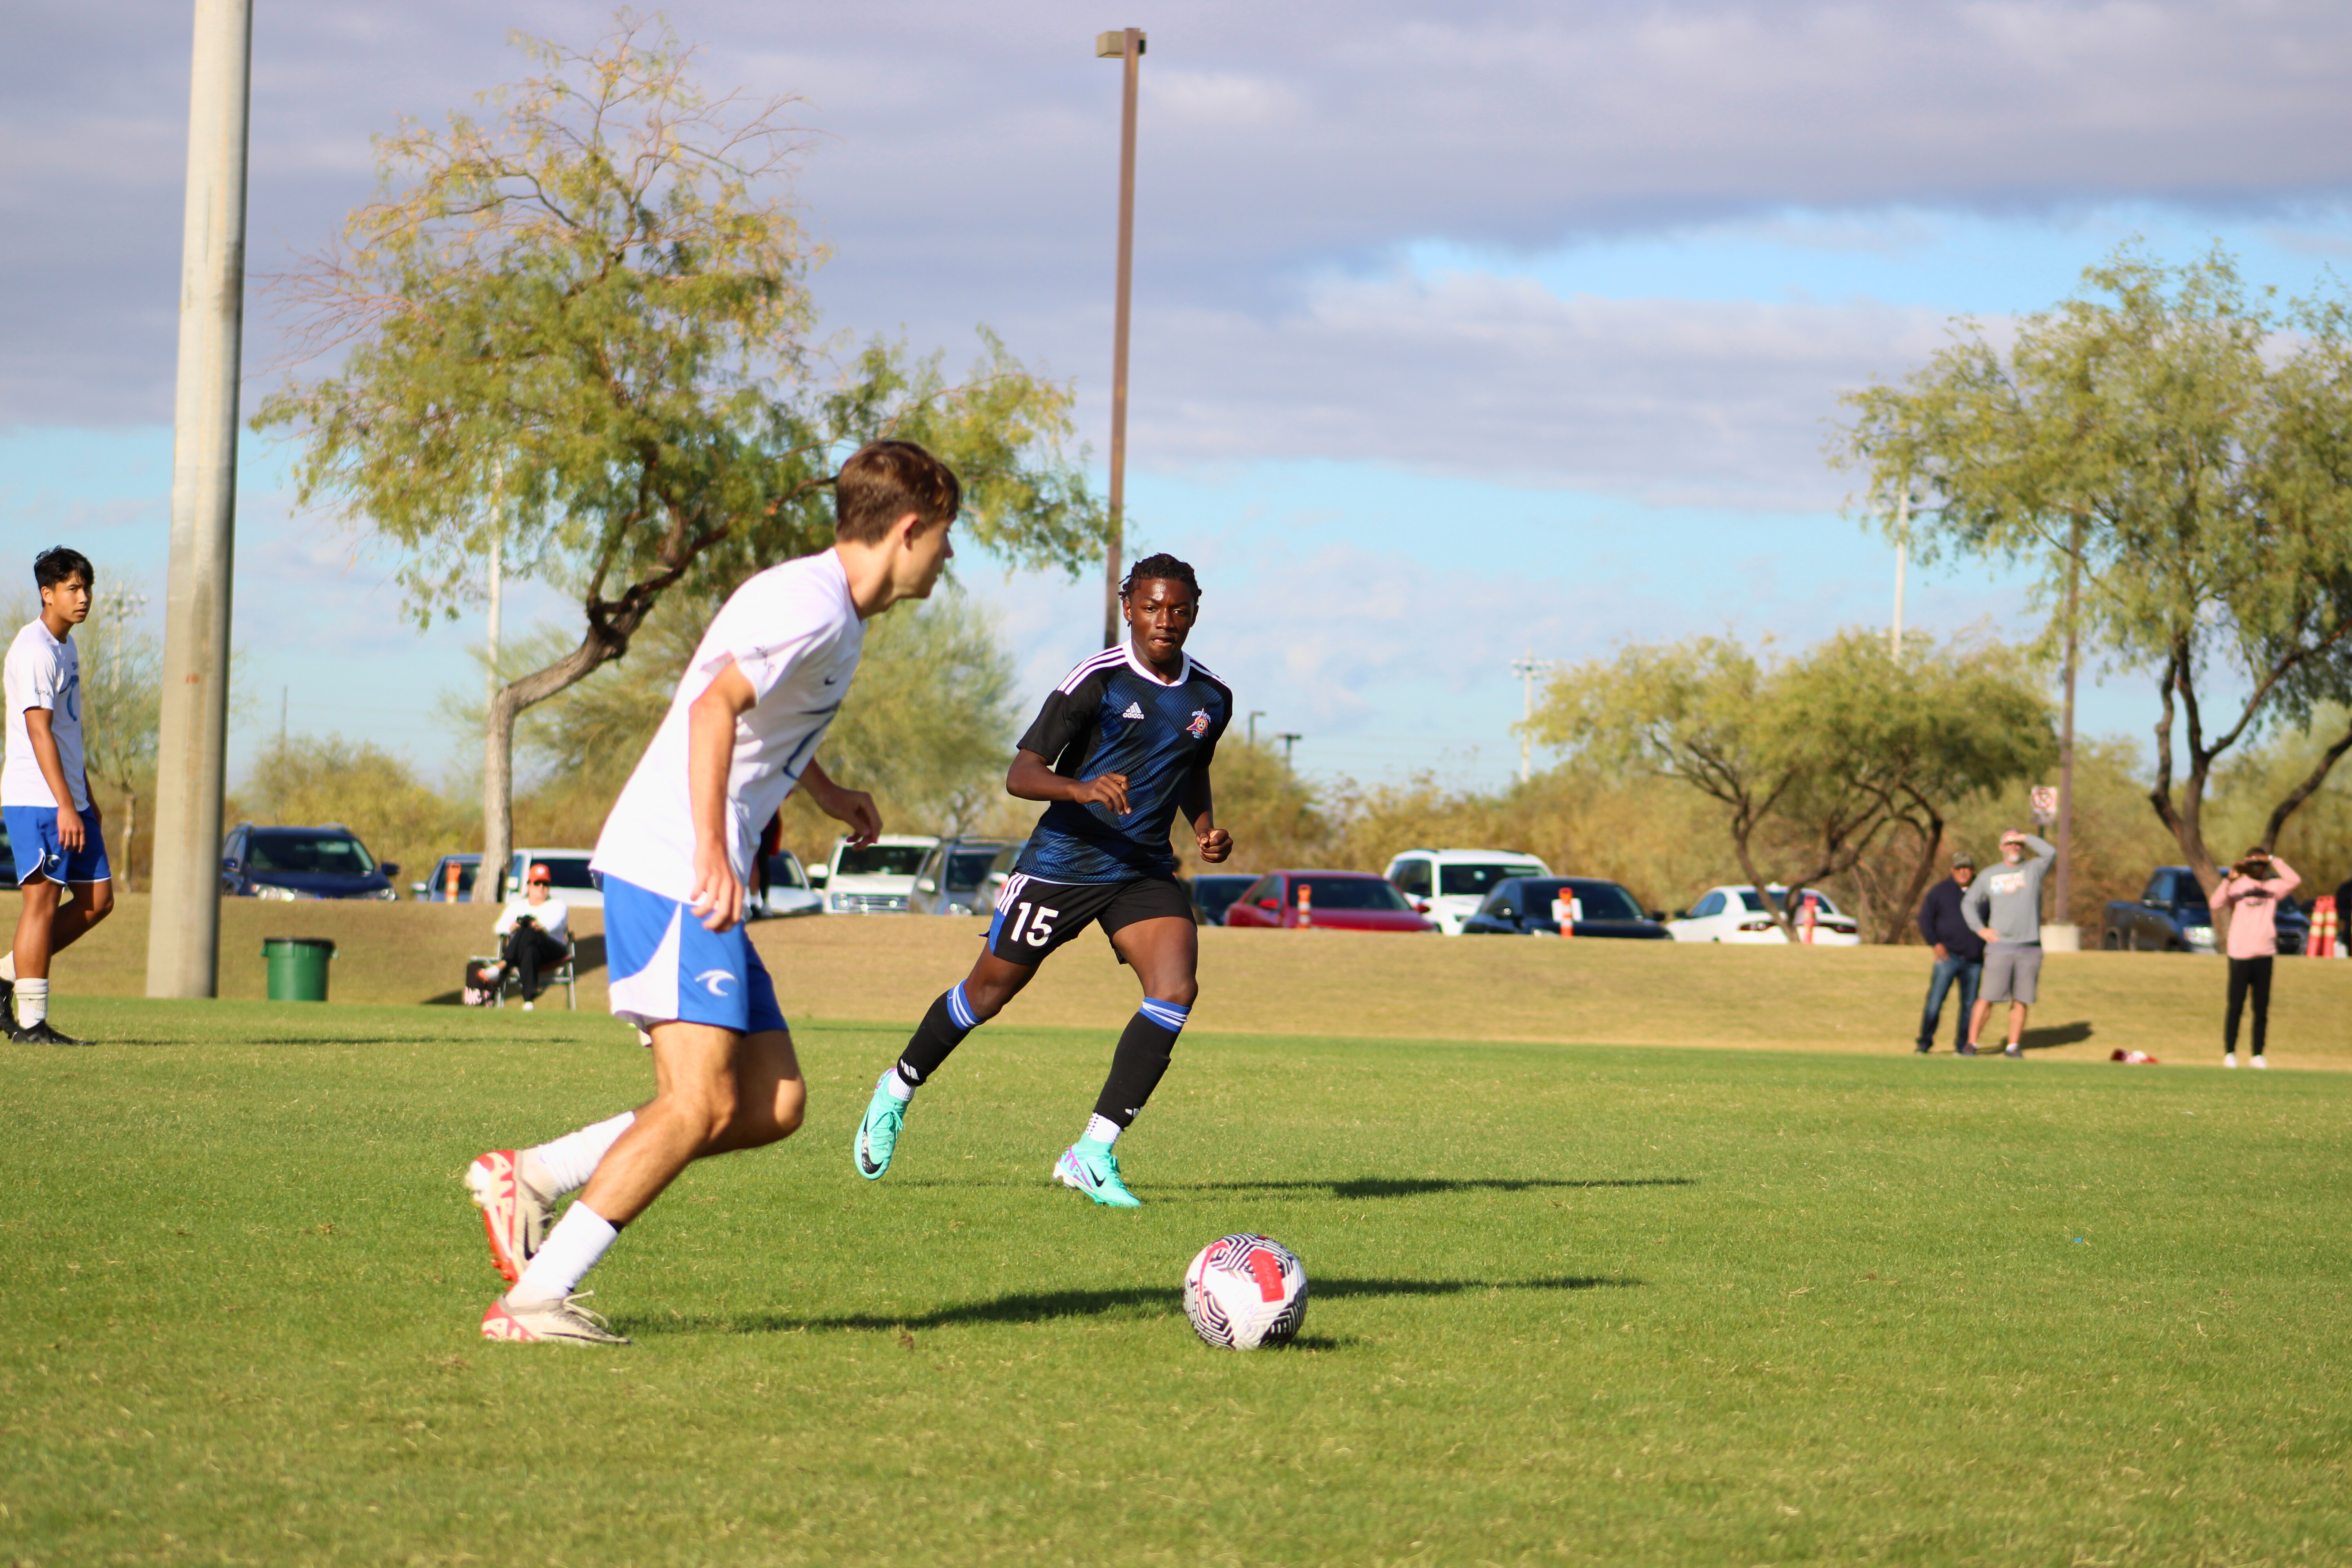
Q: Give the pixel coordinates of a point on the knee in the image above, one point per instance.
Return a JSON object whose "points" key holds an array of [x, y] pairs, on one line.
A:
{"points": [[706, 1114], [1182, 992], [791, 1106], [101, 902]]}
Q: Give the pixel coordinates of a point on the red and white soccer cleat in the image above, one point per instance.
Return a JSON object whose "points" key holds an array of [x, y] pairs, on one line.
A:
{"points": [[564, 1323], [513, 1215]]}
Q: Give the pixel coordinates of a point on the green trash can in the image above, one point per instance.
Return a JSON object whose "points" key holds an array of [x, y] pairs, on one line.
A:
{"points": [[297, 967]]}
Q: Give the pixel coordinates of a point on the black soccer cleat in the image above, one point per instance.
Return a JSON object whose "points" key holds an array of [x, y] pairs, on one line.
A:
{"points": [[40, 1034]]}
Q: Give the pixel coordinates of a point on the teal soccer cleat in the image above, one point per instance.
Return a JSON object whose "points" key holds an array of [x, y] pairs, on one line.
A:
{"points": [[1093, 1169], [877, 1134]]}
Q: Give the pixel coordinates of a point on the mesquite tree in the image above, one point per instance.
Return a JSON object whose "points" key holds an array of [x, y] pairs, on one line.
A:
{"points": [[1811, 758], [2186, 448], [581, 325]]}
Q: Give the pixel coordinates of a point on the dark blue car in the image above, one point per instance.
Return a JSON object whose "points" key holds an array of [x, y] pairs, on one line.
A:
{"points": [[1522, 906], [324, 862]]}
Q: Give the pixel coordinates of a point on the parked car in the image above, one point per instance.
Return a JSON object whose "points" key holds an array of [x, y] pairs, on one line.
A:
{"points": [[1339, 900], [949, 879], [877, 879], [323, 862], [789, 892], [1739, 915], [2173, 916], [1213, 893], [435, 889], [1523, 906], [1448, 885]]}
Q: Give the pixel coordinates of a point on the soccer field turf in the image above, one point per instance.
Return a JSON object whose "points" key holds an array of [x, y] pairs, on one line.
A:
{"points": [[1568, 1305]]}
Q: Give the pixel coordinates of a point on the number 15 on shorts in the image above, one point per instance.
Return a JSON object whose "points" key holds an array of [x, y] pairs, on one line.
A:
{"points": [[1039, 923]]}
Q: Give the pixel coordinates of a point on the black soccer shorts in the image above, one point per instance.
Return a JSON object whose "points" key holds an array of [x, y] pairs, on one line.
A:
{"points": [[1033, 918]]}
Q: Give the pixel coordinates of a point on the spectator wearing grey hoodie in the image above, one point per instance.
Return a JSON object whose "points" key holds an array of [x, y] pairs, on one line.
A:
{"points": [[2004, 906]]}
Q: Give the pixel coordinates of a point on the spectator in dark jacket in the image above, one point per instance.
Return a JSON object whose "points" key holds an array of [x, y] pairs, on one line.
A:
{"points": [[1959, 954]]}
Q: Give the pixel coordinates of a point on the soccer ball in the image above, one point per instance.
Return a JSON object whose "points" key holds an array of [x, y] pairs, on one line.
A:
{"points": [[1243, 1292]]}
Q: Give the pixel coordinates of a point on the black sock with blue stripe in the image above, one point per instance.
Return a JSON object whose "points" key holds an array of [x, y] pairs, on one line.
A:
{"points": [[940, 1032], [1142, 1059]]}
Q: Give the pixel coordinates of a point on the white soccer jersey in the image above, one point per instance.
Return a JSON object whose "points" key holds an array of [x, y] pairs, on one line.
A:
{"points": [[794, 633], [42, 671]]}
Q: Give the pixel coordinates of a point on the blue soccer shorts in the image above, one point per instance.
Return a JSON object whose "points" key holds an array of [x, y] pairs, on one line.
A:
{"points": [[33, 838], [665, 967]]}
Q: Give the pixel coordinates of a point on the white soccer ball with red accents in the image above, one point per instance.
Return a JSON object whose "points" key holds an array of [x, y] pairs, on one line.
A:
{"points": [[1245, 1292]]}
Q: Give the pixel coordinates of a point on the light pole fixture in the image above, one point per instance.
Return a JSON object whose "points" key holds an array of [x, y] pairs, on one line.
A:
{"points": [[1288, 738], [1255, 714], [1126, 45]]}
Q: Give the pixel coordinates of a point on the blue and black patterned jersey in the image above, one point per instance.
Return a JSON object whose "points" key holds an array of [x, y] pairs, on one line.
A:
{"points": [[1111, 715]]}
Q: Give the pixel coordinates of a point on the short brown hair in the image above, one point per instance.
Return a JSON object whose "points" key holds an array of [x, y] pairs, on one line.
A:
{"points": [[885, 480]]}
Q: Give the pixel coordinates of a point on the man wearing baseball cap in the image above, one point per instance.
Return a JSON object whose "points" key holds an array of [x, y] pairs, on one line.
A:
{"points": [[2005, 907], [1959, 954], [535, 931]]}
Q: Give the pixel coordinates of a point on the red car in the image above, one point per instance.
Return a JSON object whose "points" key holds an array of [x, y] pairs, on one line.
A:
{"points": [[1335, 900]]}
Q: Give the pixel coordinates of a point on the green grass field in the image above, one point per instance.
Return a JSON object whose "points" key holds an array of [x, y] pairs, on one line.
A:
{"points": [[1569, 1304]]}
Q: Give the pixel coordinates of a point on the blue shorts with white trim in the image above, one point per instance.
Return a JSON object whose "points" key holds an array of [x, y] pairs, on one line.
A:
{"points": [[667, 967], [33, 840]]}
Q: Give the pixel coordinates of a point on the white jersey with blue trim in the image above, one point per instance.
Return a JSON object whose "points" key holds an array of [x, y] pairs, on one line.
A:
{"points": [[794, 633], [43, 671]]}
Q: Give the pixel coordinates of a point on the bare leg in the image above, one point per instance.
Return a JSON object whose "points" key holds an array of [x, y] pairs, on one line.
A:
{"points": [[2017, 1011], [993, 982], [1166, 957], [59, 928], [714, 1091], [1977, 1017]]}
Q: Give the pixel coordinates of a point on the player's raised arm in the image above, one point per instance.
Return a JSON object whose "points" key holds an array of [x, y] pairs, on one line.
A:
{"points": [[709, 759], [1031, 777]]}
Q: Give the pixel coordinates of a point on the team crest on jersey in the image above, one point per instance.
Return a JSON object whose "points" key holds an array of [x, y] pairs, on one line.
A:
{"points": [[1200, 724]]}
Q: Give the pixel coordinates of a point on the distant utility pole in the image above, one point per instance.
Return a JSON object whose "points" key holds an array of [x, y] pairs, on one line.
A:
{"points": [[1902, 550], [2066, 732], [183, 927], [1126, 45], [1288, 739], [1255, 714], [1528, 666]]}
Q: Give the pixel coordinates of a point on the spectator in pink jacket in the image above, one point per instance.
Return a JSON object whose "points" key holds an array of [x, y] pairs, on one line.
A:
{"points": [[2249, 895]]}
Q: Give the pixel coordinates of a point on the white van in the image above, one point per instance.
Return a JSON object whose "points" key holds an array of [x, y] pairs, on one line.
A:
{"points": [[874, 878], [1448, 885]]}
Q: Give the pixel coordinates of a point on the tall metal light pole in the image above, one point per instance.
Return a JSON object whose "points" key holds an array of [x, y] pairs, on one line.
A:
{"points": [[183, 930], [1526, 668], [2065, 877], [1126, 45]]}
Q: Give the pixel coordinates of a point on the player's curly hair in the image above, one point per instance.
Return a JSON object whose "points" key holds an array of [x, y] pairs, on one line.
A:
{"points": [[1162, 567]]}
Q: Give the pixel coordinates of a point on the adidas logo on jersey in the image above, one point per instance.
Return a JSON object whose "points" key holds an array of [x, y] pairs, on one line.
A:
{"points": [[1134, 710]]}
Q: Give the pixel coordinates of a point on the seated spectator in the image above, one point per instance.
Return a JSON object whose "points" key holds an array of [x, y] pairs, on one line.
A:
{"points": [[537, 932]]}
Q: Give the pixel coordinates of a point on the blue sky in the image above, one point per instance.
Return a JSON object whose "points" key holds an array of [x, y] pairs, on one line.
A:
{"points": [[1515, 330]]}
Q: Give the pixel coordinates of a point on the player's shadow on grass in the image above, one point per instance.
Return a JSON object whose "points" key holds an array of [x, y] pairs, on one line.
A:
{"points": [[1414, 1186], [2056, 1034], [1137, 1301]]}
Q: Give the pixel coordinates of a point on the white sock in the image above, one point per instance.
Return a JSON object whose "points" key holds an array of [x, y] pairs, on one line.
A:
{"points": [[899, 1088], [8, 966], [1103, 1130], [32, 1002], [564, 1164], [578, 1241]]}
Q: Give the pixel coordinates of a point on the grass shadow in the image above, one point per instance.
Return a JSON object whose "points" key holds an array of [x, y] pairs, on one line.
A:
{"points": [[1030, 1307], [2072, 1034], [1414, 1186]]}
